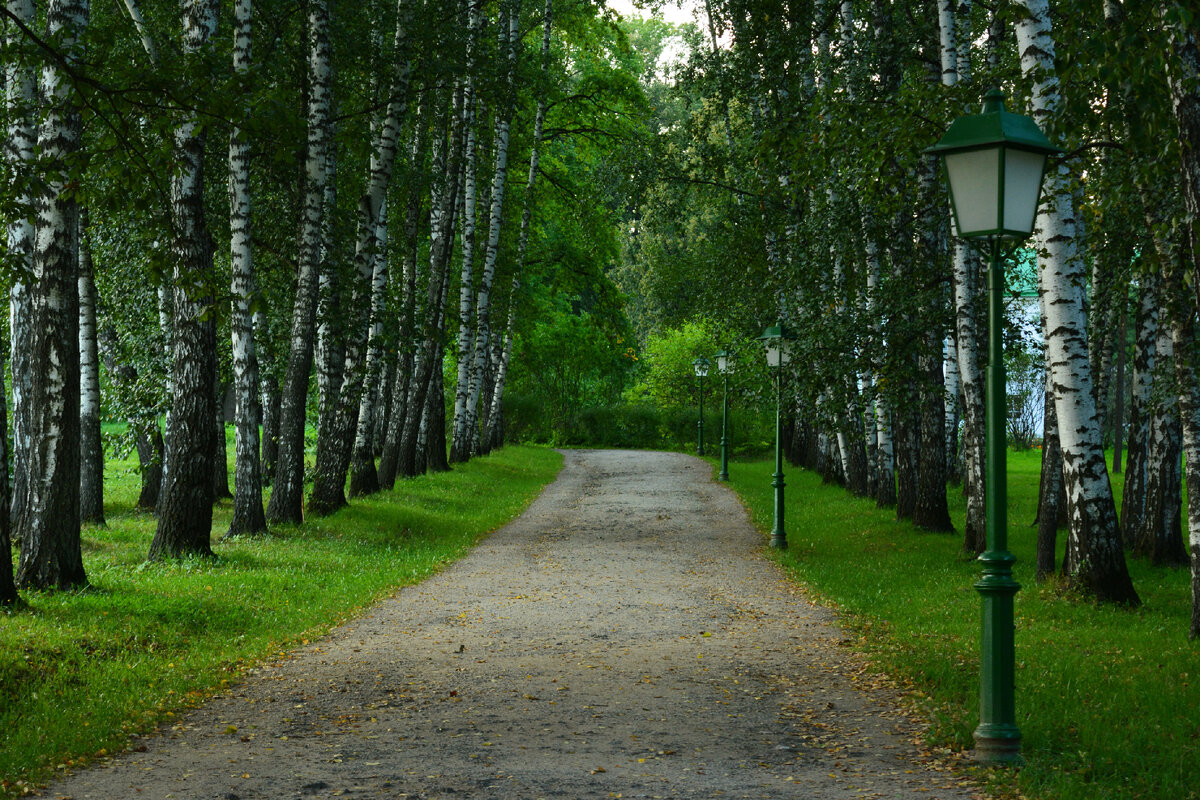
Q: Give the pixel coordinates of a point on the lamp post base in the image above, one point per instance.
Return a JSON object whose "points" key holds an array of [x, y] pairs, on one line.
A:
{"points": [[998, 745]]}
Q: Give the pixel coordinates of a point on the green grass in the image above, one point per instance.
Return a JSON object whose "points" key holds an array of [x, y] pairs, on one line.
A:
{"points": [[81, 671], [1108, 699]]}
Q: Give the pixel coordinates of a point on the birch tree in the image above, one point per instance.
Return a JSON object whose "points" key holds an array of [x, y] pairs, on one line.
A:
{"points": [[47, 522], [1098, 565], [185, 506], [288, 485], [248, 515], [1184, 79], [20, 81], [508, 31], [334, 451], [91, 445]]}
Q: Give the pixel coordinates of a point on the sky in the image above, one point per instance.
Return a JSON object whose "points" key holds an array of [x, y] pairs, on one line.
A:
{"points": [[671, 11]]}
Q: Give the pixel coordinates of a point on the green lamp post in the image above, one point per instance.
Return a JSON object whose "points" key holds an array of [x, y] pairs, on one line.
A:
{"points": [[724, 366], [778, 339], [701, 365], [995, 161]]}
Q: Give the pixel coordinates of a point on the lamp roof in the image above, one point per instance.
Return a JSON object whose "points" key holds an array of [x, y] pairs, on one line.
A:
{"points": [[993, 126], [778, 331]]}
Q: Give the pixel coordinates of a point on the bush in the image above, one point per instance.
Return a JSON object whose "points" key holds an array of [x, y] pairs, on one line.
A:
{"points": [[636, 426]]}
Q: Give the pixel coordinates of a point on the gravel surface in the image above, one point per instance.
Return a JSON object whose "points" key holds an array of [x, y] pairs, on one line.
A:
{"points": [[625, 638]]}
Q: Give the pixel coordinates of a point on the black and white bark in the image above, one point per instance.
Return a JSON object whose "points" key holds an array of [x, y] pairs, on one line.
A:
{"points": [[408, 313], [1133, 497], [91, 444], [8, 587], [47, 523], [248, 515], [185, 505], [287, 491], [336, 444], [20, 83], [508, 40], [461, 436], [1160, 534], [1095, 536], [489, 429], [1184, 79], [1050, 484], [447, 151]]}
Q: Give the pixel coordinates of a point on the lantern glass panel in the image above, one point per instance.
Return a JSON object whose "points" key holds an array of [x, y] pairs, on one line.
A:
{"points": [[975, 186], [723, 365], [1022, 186]]}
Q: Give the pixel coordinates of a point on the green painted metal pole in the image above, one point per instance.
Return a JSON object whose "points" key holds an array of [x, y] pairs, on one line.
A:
{"points": [[778, 534], [700, 422], [997, 739], [724, 476]]}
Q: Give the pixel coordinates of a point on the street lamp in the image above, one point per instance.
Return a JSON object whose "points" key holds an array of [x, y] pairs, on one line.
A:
{"points": [[995, 161], [701, 365], [777, 339], [724, 366]]}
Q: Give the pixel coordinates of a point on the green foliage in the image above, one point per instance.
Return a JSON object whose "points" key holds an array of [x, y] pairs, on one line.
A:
{"points": [[1084, 671], [80, 672]]}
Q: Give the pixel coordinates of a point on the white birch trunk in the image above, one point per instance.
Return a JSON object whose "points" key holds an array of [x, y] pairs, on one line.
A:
{"points": [[1099, 566], [509, 39], [185, 504], [1184, 78], [486, 434], [350, 443], [20, 83], [91, 450], [48, 523], [248, 516], [288, 485]]}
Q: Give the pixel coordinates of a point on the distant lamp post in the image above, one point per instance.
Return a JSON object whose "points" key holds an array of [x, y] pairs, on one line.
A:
{"points": [[995, 162], [724, 366], [778, 339], [701, 365]]}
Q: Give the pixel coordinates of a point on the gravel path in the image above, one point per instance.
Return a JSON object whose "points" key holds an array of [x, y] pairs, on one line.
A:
{"points": [[623, 638]]}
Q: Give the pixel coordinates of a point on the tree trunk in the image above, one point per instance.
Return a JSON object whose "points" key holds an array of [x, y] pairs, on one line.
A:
{"points": [[269, 409], [1049, 489], [1160, 534], [908, 429], [149, 442], [335, 445], [447, 153], [8, 588], [185, 508], [248, 514], [885, 469], [1133, 497], [508, 29], [288, 489], [220, 457], [48, 523], [931, 511], [364, 479], [462, 436], [967, 303], [1119, 410], [1094, 530], [91, 450], [1184, 78], [20, 104]]}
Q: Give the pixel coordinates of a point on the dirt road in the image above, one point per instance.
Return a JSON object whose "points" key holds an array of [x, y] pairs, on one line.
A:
{"points": [[624, 638]]}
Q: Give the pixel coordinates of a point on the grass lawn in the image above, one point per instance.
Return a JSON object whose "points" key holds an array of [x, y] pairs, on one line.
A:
{"points": [[81, 671], [1108, 699]]}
